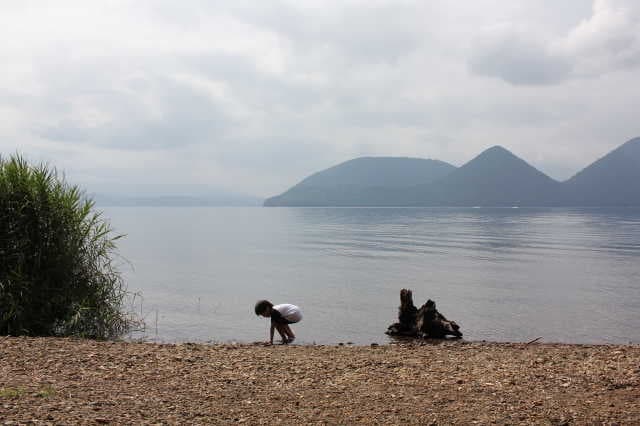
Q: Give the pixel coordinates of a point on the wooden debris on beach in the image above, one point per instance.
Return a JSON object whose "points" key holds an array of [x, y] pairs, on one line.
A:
{"points": [[425, 322]]}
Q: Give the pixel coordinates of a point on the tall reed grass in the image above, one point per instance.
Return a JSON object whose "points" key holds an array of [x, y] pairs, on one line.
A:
{"points": [[57, 270]]}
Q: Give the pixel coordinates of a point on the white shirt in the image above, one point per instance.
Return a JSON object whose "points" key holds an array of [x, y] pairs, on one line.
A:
{"points": [[289, 312]]}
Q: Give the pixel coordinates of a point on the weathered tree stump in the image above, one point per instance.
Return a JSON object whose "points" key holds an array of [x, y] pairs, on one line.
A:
{"points": [[425, 322]]}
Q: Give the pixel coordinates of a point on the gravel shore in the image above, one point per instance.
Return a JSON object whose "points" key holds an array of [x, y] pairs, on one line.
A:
{"points": [[67, 381]]}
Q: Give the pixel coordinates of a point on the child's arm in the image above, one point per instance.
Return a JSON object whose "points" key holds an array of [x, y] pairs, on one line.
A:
{"points": [[273, 327]]}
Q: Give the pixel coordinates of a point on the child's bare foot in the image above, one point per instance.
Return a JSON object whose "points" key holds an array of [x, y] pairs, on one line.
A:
{"points": [[291, 339]]}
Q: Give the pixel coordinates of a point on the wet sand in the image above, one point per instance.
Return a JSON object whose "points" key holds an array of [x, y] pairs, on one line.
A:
{"points": [[67, 381]]}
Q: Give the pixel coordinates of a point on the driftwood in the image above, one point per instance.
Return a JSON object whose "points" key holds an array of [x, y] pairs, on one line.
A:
{"points": [[425, 322]]}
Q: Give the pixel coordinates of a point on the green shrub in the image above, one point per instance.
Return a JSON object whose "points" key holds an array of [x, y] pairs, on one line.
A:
{"points": [[57, 274]]}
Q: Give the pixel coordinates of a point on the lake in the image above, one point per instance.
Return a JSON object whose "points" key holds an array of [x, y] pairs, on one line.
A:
{"points": [[566, 275]]}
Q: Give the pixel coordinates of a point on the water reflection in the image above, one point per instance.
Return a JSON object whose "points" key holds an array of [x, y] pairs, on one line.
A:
{"points": [[503, 274]]}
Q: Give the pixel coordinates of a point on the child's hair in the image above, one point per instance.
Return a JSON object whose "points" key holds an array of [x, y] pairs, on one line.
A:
{"points": [[262, 306]]}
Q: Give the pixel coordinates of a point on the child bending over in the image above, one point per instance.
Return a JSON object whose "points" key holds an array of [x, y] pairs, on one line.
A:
{"points": [[281, 316]]}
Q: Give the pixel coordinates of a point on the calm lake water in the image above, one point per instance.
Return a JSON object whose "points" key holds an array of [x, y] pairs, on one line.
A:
{"points": [[567, 275]]}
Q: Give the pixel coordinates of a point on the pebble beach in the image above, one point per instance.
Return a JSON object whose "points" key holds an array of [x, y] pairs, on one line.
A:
{"points": [[72, 381]]}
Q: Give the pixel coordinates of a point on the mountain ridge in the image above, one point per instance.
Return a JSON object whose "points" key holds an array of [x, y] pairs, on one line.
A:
{"points": [[593, 185], [361, 181], [495, 177]]}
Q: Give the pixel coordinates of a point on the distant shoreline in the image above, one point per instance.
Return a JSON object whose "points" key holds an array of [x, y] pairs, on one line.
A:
{"points": [[386, 342], [381, 207]]}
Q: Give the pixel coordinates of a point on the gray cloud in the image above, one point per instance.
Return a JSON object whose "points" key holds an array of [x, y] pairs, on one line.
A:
{"points": [[180, 116], [518, 58], [607, 41], [253, 96], [375, 32]]}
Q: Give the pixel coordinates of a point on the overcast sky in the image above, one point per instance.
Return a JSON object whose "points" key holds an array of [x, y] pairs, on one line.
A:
{"points": [[253, 96]]}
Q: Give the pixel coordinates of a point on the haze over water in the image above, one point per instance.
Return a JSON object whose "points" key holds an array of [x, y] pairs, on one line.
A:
{"points": [[566, 275]]}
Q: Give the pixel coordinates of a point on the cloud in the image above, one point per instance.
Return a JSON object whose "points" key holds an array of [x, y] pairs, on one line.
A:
{"points": [[607, 41], [518, 57], [140, 113], [355, 31], [253, 96]]}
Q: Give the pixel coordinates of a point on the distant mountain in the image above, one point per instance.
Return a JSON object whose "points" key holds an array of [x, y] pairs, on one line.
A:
{"points": [[366, 181], [496, 177], [168, 195], [174, 200], [613, 180]]}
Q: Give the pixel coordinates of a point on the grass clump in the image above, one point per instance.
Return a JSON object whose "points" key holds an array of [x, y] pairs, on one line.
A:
{"points": [[11, 392], [57, 273], [46, 392]]}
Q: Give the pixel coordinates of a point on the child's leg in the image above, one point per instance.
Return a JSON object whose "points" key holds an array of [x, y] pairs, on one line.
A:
{"points": [[288, 332], [282, 331]]}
